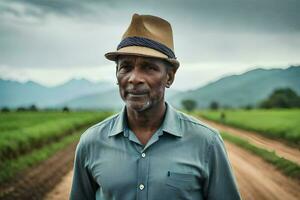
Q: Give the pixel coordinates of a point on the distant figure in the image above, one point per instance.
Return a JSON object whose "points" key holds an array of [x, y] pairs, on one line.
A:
{"points": [[150, 151], [223, 117]]}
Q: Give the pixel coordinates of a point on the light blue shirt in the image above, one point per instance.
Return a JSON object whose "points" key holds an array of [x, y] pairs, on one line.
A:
{"points": [[184, 159]]}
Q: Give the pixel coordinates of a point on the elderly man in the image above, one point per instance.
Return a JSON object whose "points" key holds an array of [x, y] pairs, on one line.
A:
{"points": [[150, 151]]}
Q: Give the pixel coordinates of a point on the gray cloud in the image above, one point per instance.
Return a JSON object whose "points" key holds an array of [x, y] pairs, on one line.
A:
{"points": [[56, 33], [67, 7], [263, 14]]}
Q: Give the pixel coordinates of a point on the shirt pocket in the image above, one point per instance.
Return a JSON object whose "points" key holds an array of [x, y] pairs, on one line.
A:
{"points": [[182, 185]]}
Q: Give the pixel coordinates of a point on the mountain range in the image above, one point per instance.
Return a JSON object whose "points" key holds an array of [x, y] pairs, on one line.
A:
{"points": [[248, 88], [15, 94]]}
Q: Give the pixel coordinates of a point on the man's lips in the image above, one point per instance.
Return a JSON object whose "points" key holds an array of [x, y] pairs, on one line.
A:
{"points": [[135, 93]]}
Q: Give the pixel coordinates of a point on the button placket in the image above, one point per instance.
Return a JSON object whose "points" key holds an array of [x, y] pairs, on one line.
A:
{"points": [[143, 171]]}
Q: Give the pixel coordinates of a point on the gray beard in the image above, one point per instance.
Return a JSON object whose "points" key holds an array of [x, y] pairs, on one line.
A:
{"points": [[142, 108]]}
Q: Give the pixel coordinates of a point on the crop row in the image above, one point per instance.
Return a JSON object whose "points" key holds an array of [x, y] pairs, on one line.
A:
{"points": [[20, 120], [10, 168], [22, 140]]}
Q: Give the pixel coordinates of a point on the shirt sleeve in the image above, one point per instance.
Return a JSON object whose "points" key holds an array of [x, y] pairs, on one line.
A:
{"points": [[221, 183], [83, 185]]}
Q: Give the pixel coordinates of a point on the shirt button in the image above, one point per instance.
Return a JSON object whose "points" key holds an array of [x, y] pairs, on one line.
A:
{"points": [[141, 186], [143, 155]]}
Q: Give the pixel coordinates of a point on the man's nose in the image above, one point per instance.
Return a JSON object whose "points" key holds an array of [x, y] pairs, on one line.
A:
{"points": [[136, 77]]}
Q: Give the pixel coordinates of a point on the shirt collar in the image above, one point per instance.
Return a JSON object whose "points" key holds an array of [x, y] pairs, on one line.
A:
{"points": [[171, 123], [119, 123]]}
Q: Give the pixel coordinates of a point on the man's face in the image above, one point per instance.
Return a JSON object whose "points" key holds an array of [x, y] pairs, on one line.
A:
{"points": [[142, 81]]}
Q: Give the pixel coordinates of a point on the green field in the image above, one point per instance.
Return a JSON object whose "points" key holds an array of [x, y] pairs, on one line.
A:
{"points": [[27, 138], [278, 124]]}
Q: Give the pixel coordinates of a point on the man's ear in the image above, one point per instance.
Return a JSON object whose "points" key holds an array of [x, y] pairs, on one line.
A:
{"points": [[171, 71]]}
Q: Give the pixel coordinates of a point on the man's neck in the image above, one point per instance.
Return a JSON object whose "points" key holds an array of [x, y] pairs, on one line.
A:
{"points": [[147, 121]]}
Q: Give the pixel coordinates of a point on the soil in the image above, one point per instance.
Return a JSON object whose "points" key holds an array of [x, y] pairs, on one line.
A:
{"points": [[61, 190], [258, 179], [35, 183]]}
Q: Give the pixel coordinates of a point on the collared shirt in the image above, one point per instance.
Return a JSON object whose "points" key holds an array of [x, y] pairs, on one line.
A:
{"points": [[184, 159]]}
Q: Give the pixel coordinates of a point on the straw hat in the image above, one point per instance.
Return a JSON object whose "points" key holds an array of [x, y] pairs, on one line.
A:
{"points": [[148, 36]]}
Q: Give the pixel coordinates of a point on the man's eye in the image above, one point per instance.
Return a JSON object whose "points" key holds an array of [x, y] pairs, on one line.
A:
{"points": [[124, 68], [150, 67]]}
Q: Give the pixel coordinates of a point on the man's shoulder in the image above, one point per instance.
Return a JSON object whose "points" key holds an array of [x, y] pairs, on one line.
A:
{"points": [[99, 130], [196, 127], [104, 123]]}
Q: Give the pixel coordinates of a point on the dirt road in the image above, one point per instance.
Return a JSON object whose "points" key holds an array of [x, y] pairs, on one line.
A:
{"points": [[280, 148], [62, 190], [256, 179], [38, 181]]}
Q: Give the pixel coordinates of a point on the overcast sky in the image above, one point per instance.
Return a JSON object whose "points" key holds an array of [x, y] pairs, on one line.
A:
{"points": [[55, 40]]}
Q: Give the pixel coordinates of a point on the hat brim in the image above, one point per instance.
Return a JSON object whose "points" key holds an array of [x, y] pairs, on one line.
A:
{"points": [[140, 51]]}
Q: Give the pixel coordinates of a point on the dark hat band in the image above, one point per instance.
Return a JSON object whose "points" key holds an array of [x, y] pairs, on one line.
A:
{"points": [[145, 42]]}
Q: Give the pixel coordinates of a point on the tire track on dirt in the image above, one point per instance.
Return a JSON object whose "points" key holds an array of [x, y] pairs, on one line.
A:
{"points": [[281, 149]]}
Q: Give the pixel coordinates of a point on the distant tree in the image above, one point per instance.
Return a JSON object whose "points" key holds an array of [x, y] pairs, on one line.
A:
{"points": [[214, 105], [33, 108], [282, 98], [5, 109], [248, 107], [189, 104], [21, 109], [66, 109]]}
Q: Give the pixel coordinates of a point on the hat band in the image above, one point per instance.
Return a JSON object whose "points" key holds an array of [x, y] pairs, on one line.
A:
{"points": [[145, 42]]}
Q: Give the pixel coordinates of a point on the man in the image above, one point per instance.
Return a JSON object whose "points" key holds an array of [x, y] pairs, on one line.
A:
{"points": [[150, 151]]}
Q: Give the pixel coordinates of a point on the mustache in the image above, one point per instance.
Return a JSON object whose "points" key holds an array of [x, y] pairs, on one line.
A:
{"points": [[136, 90]]}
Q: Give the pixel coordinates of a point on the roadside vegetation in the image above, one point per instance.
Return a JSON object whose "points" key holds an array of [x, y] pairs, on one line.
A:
{"points": [[288, 167]]}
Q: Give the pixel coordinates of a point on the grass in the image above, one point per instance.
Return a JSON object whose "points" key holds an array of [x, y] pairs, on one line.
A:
{"points": [[39, 129], [19, 120], [10, 168], [277, 124], [288, 167], [28, 138]]}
